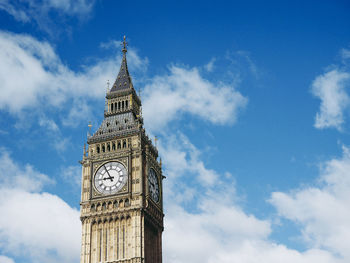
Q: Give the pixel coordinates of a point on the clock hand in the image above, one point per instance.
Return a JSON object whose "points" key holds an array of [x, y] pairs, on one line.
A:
{"points": [[104, 179], [110, 177]]}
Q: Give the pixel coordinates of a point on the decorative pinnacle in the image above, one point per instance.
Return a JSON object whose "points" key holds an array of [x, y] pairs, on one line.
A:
{"points": [[124, 45], [89, 132]]}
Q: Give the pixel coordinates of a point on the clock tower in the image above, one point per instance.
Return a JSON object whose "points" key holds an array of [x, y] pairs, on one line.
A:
{"points": [[122, 194]]}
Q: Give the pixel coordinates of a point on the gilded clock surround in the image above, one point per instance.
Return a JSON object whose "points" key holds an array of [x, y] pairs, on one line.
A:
{"points": [[126, 226]]}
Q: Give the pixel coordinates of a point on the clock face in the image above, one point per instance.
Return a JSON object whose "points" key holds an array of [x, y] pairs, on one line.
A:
{"points": [[110, 178], [153, 186]]}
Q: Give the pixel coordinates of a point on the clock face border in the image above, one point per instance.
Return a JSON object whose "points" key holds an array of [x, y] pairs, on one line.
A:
{"points": [[158, 184], [94, 194]]}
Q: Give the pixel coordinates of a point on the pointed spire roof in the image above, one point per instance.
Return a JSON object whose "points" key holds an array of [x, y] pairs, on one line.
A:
{"points": [[123, 80]]}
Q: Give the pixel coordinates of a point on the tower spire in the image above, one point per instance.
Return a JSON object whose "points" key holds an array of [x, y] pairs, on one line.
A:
{"points": [[123, 80]]}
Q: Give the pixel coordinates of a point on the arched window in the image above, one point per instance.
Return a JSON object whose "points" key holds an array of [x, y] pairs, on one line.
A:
{"points": [[113, 146], [124, 144], [115, 106], [103, 148], [119, 105], [108, 147], [126, 104], [112, 107], [119, 145], [127, 203], [123, 105], [98, 149]]}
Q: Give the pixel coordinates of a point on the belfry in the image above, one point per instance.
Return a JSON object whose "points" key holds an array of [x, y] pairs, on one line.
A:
{"points": [[122, 194]]}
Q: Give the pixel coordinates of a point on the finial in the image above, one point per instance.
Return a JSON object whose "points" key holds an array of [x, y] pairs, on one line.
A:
{"points": [[89, 132], [124, 45], [84, 150], [155, 141], [108, 85]]}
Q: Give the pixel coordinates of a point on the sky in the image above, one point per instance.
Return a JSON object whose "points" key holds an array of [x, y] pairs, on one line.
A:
{"points": [[249, 100]]}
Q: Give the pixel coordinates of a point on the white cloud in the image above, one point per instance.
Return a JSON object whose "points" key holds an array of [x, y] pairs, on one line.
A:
{"points": [[72, 174], [217, 228], [18, 14], [330, 88], [210, 66], [252, 67], [345, 54], [183, 168], [38, 226], [186, 91], [79, 111], [31, 74], [53, 133], [4, 259], [27, 10], [48, 124], [322, 212], [21, 176]]}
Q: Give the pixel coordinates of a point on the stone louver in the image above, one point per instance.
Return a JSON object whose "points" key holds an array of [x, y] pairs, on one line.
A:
{"points": [[115, 126]]}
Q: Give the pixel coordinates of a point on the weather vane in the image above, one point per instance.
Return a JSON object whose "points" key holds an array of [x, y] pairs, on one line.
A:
{"points": [[124, 45]]}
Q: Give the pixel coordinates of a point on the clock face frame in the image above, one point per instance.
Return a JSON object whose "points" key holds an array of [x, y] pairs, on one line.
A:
{"points": [[153, 185], [110, 178]]}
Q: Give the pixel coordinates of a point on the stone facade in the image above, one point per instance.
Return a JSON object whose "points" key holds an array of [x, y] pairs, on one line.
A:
{"points": [[127, 225]]}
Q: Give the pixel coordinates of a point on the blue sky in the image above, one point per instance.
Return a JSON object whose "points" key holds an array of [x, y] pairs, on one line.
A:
{"points": [[250, 101]]}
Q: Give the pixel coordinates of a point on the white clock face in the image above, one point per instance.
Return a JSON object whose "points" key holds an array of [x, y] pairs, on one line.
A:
{"points": [[153, 186], [110, 178]]}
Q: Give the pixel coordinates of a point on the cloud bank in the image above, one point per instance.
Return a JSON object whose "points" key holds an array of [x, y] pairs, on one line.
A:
{"points": [[34, 224], [214, 228]]}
